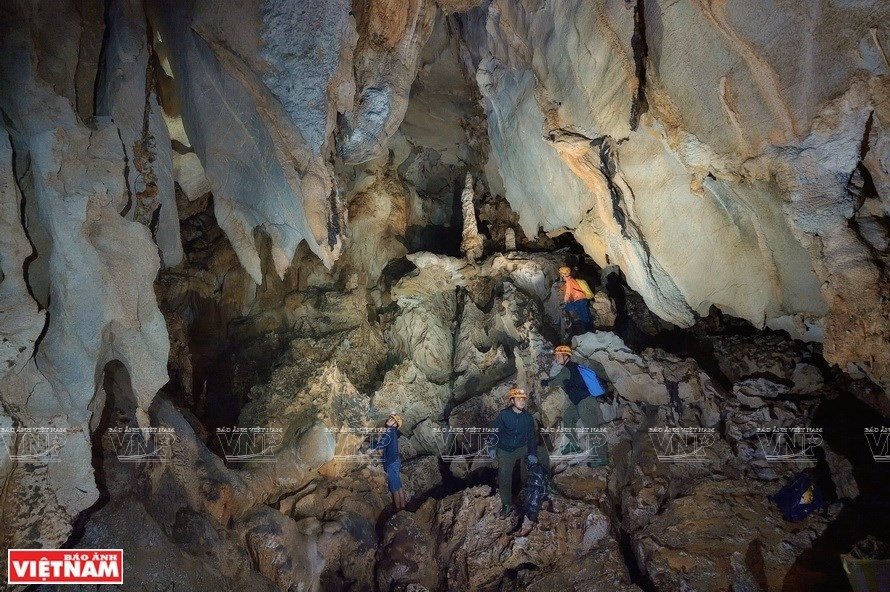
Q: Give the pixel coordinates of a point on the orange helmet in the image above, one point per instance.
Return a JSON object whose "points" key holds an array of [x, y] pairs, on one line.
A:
{"points": [[397, 418], [516, 393], [563, 349], [565, 271]]}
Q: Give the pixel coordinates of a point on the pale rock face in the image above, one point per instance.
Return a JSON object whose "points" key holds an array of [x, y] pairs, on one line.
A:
{"points": [[100, 297], [124, 96], [649, 377], [378, 216], [221, 80], [22, 322], [391, 36], [710, 142], [422, 333], [409, 391], [189, 174], [478, 365]]}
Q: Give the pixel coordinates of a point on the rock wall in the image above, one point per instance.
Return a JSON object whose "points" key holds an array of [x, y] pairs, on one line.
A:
{"points": [[90, 270], [674, 138]]}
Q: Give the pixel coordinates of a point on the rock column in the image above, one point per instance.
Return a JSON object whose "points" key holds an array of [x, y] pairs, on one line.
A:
{"points": [[471, 243]]}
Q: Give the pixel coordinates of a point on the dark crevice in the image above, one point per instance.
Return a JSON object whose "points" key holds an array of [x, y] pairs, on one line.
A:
{"points": [[26, 264], [817, 569], [609, 168], [640, 48], [334, 228], [623, 475], [39, 340], [637, 575], [866, 132], [460, 297], [123, 213], [108, 420], [100, 80], [153, 224], [441, 240], [23, 219]]}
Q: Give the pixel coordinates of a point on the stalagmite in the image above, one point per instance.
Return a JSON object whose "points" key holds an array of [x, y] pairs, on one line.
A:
{"points": [[471, 243]]}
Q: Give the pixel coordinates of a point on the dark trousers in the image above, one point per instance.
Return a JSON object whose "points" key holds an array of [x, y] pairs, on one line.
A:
{"points": [[506, 462]]}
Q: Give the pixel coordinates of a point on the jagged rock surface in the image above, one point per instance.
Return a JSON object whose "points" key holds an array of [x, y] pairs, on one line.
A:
{"points": [[743, 133]]}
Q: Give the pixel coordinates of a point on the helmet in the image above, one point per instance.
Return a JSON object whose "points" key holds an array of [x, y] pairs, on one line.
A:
{"points": [[563, 349], [516, 393], [398, 419], [565, 271]]}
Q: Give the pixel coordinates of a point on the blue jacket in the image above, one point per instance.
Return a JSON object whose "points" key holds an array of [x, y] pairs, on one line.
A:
{"points": [[515, 430], [389, 442]]}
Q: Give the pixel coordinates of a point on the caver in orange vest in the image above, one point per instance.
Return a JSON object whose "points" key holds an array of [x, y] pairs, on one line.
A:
{"points": [[573, 291]]}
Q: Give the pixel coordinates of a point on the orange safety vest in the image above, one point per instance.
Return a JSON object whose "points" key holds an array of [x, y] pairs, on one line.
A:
{"points": [[573, 291]]}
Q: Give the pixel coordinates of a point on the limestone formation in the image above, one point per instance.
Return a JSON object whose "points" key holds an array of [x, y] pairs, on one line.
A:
{"points": [[274, 216], [760, 151], [130, 100], [217, 60], [391, 34], [471, 243], [98, 295]]}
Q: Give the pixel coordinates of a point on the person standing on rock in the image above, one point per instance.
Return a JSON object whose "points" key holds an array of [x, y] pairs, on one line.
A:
{"points": [[576, 299], [581, 404], [389, 443], [517, 439]]}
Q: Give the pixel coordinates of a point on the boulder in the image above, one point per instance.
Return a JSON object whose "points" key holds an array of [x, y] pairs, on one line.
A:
{"points": [[473, 551], [421, 477], [406, 555], [723, 533]]}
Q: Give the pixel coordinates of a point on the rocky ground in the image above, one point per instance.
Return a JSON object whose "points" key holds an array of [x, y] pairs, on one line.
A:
{"points": [[457, 336]]}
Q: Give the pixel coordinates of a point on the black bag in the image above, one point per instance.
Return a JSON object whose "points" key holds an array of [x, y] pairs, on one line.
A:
{"points": [[535, 491]]}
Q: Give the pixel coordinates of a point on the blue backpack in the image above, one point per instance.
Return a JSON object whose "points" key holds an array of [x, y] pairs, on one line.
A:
{"points": [[593, 382], [799, 497]]}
